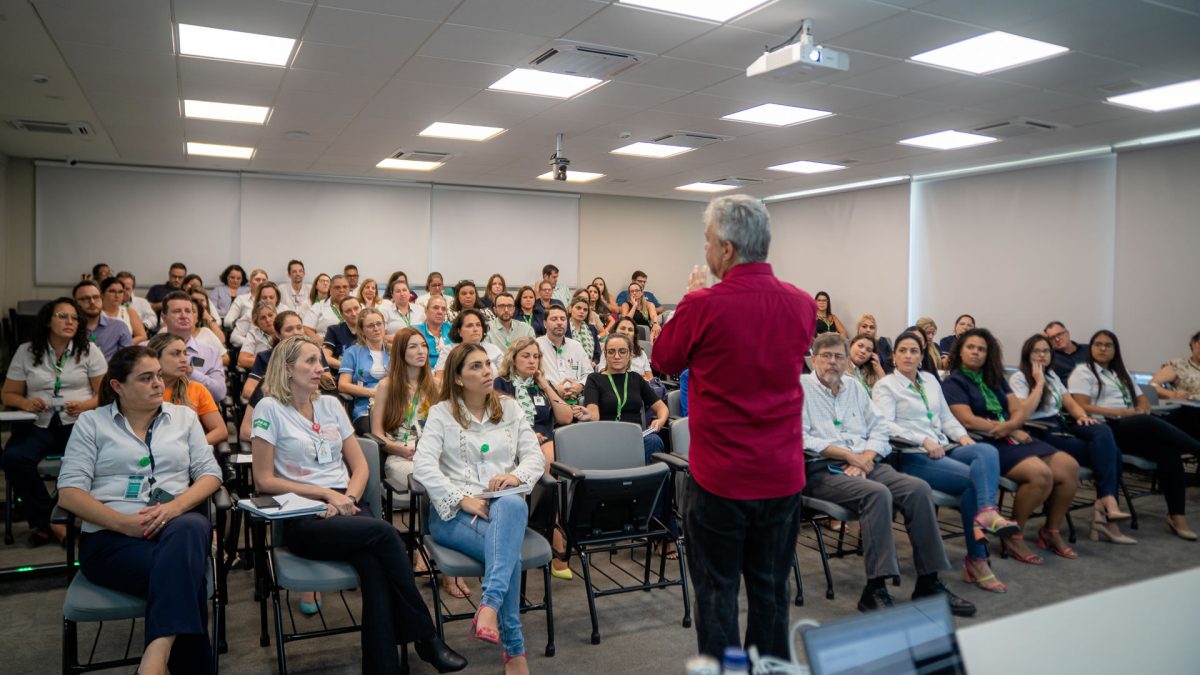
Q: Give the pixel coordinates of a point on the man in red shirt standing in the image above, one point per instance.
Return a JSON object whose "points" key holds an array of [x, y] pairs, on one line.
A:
{"points": [[744, 340]]}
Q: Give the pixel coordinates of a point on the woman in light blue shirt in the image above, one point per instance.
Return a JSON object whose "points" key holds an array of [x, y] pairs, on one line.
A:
{"points": [[363, 365], [136, 471]]}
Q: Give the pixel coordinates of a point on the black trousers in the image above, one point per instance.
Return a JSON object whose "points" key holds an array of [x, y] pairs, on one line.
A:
{"points": [[1156, 439], [1188, 419], [169, 573], [27, 447], [393, 610], [730, 540]]}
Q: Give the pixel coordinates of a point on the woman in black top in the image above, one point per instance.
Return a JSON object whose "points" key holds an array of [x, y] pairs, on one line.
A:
{"points": [[827, 321], [618, 395], [527, 310]]}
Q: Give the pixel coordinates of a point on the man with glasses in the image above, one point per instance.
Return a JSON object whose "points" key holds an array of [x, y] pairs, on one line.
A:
{"points": [[746, 456], [325, 313], [108, 334], [564, 362], [159, 292], [204, 360], [502, 330], [1067, 352], [639, 277], [841, 427]]}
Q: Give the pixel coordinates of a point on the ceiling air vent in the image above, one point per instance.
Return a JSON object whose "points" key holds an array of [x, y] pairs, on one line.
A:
{"points": [[736, 181], [80, 129], [1022, 126], [421, 156], [689, 139], [1122, 87], [583, 60]]}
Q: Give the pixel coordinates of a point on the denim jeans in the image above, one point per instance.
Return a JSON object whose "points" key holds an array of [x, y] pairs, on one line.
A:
{"points": [[731, 539], [497, 542], [1091, 445], [970, 471]]}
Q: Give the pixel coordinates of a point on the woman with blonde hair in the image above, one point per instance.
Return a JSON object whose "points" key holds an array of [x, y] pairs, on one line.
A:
{"points": [[178, 389], [883, 347], [368, 293], [929, 329]]}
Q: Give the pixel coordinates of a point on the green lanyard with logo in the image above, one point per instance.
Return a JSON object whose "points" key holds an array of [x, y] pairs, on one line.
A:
{"points": [[1120, 385], [920, 389], [623, 397], [58, 371], [412, 415], [336, 313]]}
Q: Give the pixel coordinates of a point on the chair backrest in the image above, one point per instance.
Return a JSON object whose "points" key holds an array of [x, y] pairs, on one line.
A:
{"points": [[674, 403], [600, 445], [643, 332], [1150, 392], [646, 345], [370, 498], [681, 437]]}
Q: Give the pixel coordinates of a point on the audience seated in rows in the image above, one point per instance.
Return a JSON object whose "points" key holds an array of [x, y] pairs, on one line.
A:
{"points": [[295, 294], [398, 309], [436, 329], [470, 328], [265, 291], [321, 315], [864, 365], [641, 310], [175, 274], [243, 303], [136, 304], [344, 334]]}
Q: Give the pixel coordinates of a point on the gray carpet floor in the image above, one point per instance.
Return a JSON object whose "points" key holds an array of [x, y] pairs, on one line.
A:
{"points": [[641, 632]]}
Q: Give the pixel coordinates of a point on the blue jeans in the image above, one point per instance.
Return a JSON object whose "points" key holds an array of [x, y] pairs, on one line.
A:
{"points": [[497, 542], [1092, 445], [651, 444], [970, 471]]}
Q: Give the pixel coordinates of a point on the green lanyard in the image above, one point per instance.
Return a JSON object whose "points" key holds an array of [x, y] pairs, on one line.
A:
{"points": [[920, 389], [58, 371], [621, 398], [405, 317], [528, 319], [861, 380], [1055, 397], [412, 414], [1120, 386], [337, 313]]}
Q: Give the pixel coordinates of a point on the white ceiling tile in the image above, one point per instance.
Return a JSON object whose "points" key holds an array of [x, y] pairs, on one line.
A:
{"points": [[755, 90], [332, 84], [548, 18], [459, 73], [125, 109], [344, 60], [392, 37], [1073, 73], [268, 17], [228, 82], [316, 102], [1091, 113], [970, 92], [142, 24], [468, 43], [899, 109], [224, 133], [121, 71], [576, 117], [839, 99], [906, 34], [1001, 15], [830, 17], [1035, 102], [1118, 29], [901, 78], [629, 28], [498, 109], [708, 106], [631, 95], [420, 103], [726, 46], [429, 10], [665, 71], [319, 127]]}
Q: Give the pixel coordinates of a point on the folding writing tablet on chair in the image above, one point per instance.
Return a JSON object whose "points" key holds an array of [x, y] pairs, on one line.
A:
{"points": [[917, 637]]}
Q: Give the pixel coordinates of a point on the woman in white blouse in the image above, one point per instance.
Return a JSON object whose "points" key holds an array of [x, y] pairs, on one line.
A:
{"points": [[476, 441], [134, 471], [303, 444], [397, 309], [261, 337], [1041, 391], [242, 303], [1103, 388], [910, 401]]}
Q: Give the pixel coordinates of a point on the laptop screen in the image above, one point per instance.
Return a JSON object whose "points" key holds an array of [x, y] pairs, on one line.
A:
{"points": [[915, 638]]}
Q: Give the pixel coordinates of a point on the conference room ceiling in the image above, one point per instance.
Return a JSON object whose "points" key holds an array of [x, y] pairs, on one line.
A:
{"points": [[368, 75]]}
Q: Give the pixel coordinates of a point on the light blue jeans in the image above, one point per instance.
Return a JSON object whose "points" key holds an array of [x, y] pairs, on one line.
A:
{"points": [[972, 472], [497, 542]]}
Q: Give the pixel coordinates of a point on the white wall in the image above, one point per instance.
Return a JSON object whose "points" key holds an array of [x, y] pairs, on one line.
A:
{"points": [[1157, 302], [662, 237], [1016, 250], [853, 246]]}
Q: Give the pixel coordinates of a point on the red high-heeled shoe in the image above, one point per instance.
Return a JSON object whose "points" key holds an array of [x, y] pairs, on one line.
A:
{"points": [[1045, 543], [483, 633]]}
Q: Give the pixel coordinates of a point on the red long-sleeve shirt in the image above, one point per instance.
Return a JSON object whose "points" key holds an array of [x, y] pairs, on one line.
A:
{"points": [[744, 340]]}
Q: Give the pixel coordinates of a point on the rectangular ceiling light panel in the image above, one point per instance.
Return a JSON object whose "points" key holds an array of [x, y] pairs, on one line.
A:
{"points": [[776, 115], [705, 187], [805, 166], [574, 176], [542, 83], [232, 45], [989, 53], [712, 10], [1158, 99], [407, 165], [214, 150], [948, 140], [655, 150], [462, 132], [225, 112]]}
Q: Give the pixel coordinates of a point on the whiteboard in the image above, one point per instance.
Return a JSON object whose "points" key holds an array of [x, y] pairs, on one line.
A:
{"points": [[327, 225], [476, 232], [132, 219]]}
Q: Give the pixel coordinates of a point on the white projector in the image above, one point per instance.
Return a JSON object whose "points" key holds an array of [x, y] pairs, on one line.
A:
{"points": [[795, 62]]}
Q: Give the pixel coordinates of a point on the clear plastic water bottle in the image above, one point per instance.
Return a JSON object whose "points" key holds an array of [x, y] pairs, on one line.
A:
{"points": [[735, 662], [702, 665]]}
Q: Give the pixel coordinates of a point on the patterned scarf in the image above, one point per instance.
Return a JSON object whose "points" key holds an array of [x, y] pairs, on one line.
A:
{"points": [[584, 336], [989, 397], [522, 385]]}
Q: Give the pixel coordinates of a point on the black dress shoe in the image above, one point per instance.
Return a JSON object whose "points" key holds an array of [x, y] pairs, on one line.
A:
{"points": [[439, 655], [873, 599], [958, 606]]}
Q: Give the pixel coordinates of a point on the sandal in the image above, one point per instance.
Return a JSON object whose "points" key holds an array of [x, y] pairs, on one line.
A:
{"points": [[668, 552], [988, 582], [989, 520], [1029, 559], [455, 588], [485, 634], [1045, 543]]}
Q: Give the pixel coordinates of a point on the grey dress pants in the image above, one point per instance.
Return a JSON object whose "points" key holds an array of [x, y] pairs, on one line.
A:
{"points": [[873, 498]]}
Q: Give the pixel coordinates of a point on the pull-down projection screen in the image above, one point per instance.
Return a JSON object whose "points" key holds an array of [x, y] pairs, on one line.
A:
{"points": [[132, 219], [477, 232]]}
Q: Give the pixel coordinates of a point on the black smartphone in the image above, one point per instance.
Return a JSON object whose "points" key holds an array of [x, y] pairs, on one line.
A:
{"points": [[197, 362], [160, 496], [267, 502]]}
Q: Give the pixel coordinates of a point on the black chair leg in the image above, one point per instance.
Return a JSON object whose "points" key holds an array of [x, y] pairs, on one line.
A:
{"points": [[824, 560], [683, 582], [1070, 528], [280, 653], [548, 600], [70, 647], [799, 582], [591, 596], [1133, 518]]}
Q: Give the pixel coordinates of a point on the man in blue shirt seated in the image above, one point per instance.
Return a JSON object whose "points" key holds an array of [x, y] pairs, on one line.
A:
{"points": [[639, 277], [174, 282], [106, 333], [840, 426]]}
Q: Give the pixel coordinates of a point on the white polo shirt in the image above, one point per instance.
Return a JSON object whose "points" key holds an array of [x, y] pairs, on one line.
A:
{"points": [[396, 320], [320, 316], [1084, 382], [297, 440], [1052, 405], [298, 302], [493, 352], [566, 363]]}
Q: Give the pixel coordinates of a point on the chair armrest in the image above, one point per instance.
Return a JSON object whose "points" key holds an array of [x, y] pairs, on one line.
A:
{"points": [[676, 462], [245, 447], [222, 449], [546, 481], [378, 440], [902, 444], [415, 488], [1038, 426], [221, 500], [566, 471], [61, 516]]}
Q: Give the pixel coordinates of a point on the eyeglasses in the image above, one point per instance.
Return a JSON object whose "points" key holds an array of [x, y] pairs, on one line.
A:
{"points": [[1040, 352], [1055, 336], [373, 326], [507, 305], [89, 298], [831, 356], [617, 352], [63, 316]]}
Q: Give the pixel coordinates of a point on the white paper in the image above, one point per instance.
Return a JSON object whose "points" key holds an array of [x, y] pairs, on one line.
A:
{"points": [[519, 490]]}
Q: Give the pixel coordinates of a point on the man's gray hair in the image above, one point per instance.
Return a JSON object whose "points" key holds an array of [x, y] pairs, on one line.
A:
{"points": [[829, 340], [742, 221]]}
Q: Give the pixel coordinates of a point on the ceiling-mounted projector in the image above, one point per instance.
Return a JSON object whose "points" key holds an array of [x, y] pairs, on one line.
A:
{"points": [[792, 61]]}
